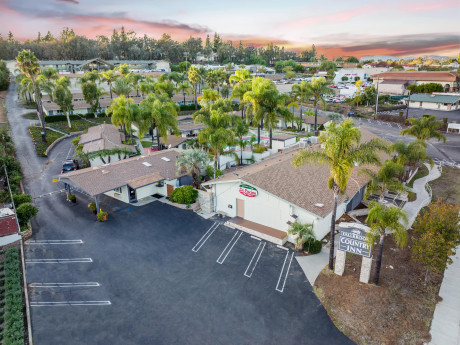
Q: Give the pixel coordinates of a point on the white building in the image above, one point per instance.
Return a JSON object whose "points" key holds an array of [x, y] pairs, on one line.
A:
{"points": [[265, 198], [435, 101], [352, 73]]}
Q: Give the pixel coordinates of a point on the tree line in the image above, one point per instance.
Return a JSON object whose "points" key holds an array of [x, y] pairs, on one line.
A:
{"points": [[127, 45]]}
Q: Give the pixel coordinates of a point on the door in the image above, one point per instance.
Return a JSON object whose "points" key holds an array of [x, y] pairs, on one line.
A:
{"points": [[132, 194], [240, 208], [169, 189]]}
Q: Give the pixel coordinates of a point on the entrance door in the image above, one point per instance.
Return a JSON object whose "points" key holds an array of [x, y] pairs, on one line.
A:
{"points": [[240, 208], [169, 189], [132, 194]]}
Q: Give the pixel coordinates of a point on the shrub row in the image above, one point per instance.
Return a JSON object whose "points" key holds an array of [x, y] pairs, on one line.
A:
{"points": [[58, 118], [14, 317]]}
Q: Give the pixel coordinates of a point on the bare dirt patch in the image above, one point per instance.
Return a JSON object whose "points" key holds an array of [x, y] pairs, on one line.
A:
{"points": [[447, 186], [398, 311]]}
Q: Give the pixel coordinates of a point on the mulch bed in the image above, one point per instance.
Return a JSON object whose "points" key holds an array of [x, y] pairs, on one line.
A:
{"points": [[397, 311]]}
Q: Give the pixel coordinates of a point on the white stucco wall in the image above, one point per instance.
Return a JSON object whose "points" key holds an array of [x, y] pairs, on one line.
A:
{"points": [[123, 196], [435, 106]]}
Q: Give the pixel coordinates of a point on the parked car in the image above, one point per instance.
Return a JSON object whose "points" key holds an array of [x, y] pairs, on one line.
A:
{"points": [[351, 114], [68, 165]]}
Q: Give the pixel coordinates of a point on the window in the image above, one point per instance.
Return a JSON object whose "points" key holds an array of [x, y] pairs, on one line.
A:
{"points": [[117, 190]]}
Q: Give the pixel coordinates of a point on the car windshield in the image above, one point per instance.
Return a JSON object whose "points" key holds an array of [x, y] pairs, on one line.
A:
{"points": [[68, 165]]}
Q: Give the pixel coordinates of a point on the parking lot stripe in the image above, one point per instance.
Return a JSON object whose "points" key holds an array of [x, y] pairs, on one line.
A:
{"points": [[256, 238], [205, 237], [63, 285], [281, 247], [278, 288], [246, 273], [69, 303], [221, 258], [54, 242], [58, 261]]}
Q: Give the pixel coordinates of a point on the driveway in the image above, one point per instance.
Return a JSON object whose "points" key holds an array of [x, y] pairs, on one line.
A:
{"points": [[155, 274]]}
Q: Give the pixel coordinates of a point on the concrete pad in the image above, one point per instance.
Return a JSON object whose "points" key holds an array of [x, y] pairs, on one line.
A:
{"points": [[9, 239]]}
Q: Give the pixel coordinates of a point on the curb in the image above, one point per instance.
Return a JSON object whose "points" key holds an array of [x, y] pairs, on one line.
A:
{"points": [[55, 142]]}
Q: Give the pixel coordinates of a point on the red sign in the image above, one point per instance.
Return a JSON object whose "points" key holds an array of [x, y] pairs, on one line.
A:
{"points": [[248, 191]]}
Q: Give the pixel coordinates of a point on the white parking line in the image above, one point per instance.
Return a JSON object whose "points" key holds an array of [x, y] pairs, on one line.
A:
{"points": [[63, 285], [58, 261], [205, 237], [54, 242], [221, 258], [256, 238], [258, 257], [281, 247], [68, 303], [281, 273]]}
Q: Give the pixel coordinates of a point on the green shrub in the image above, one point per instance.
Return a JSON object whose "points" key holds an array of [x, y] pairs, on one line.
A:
{"points": [[20, 199], [313, 246], [92, 207], [210, 171], [102, 216], [72, 197], [258, 149], [26, 212], [184, 195]]}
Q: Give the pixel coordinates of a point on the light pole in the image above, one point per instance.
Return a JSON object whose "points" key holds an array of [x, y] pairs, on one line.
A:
{"points": [[377, 99]]}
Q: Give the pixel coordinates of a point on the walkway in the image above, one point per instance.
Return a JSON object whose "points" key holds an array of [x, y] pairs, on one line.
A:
{"points": [[445, 327], [423, 196]]}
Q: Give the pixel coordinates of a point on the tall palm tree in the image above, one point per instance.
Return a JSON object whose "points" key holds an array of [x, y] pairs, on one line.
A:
{"points": [[185, 88], [240, 76], [122, 87], [424, 129], [318, 88], [385, 220], [208, 97], [109, 77], [241, 129], [146, 87], [29, 65], [191, 162], [342, 151], [194, 77], [302, 93], [135, 79], [120, 109], [239, 89], [50, 73], [386, 179], [63, 97]]}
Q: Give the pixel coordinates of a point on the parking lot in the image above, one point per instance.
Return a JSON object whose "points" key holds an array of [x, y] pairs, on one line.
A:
{"points": [[160, 275]]}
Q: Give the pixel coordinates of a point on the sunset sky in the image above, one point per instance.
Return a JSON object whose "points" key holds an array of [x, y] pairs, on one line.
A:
{"points": [[392, 27]]}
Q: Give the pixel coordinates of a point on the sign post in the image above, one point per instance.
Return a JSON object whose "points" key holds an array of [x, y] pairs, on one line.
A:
{"points": [[353, 240]]}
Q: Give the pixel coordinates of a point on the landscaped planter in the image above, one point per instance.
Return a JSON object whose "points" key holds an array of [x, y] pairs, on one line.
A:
{"points": [[195, 206]]}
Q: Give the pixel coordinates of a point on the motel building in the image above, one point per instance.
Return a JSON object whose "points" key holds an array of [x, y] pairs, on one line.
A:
{"points": [[137, 180], [264, 199]]}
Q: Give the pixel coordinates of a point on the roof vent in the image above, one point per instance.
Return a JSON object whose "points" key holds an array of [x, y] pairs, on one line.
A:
{"points": [[166, 159], [319, 205], [147, 164]]}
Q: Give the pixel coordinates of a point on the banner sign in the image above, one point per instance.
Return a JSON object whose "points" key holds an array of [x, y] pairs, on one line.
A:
{"points": [[354, 241], [248, 191]]}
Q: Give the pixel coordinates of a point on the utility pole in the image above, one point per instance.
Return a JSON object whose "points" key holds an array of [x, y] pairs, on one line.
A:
{"points": [[377, 99], [407, 109]]}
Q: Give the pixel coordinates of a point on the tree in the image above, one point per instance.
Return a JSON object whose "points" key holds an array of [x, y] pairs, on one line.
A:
{"points": [[410, 155], [64, 98], [352, 59], [109, 77], [4, 76], [304, 232], [120, 111], [386, 179], [91, 94], [241, 130], [194, 78], [302, 93], [208, 97], [191, 162], [424, 129], [184, 66], [185, 88], [122, 87], [438, 235], [343, 151], [385, 220], [318, 88], [29, 65], [26, 212]]}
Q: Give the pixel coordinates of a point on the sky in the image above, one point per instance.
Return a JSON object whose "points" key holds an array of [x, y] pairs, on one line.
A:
{"points": [[337, 28]]}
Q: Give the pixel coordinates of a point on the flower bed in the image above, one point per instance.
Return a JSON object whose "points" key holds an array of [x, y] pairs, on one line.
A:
{"points": [[40, 146]]}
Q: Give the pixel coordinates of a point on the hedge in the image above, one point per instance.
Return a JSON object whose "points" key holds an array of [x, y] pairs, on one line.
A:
{"points": [[58, 118], [184, 195], [14, 317]]}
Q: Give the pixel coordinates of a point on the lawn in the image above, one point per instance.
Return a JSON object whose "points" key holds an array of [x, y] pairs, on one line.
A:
{"points": [[422, 172], [146, 143], [447, 186], [30, 116], [41, 146], [397, 311], [77, 125]]}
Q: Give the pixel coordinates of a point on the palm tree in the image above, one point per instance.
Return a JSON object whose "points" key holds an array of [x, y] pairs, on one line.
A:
{"points": [[146, 87], [241, 129], [135, 80], [342, 151], [123, 69], [304, 232], [386, 179], [318, 88], [163, 115], [191, 162], [185, 88], [109, 76], [424, 129], [29, 65], [410, 155], [194, 77], [120, 111], [239, 90], [63, 97], [240, 76], [302, 93], [122, 87], [383, 220], [208, 97], [50, 73]]}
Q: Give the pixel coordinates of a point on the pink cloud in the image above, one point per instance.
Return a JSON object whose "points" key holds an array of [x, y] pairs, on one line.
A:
{"points": [[423, 6]]}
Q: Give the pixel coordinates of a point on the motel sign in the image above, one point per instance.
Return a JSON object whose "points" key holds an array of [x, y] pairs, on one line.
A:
{"points": [[353, 240]]}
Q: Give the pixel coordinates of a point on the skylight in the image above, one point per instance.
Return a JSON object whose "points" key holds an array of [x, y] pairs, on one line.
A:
{"points": [[166, 159], [147, 164]]}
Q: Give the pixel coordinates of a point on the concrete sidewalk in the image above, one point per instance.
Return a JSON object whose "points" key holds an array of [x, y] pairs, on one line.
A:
{"points": [[423, 196], [445, 327]]}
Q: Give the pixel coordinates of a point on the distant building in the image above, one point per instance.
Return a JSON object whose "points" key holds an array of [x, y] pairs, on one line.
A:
{"points": [[435, 101], [352, 73]]}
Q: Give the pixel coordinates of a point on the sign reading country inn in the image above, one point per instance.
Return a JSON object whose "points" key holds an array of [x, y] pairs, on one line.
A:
{"points": [[248, 191], [353, 240]]}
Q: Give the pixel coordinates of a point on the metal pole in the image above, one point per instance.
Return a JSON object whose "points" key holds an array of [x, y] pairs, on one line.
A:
{"points": [[96, 198], [407, 109], [377, 99]]}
